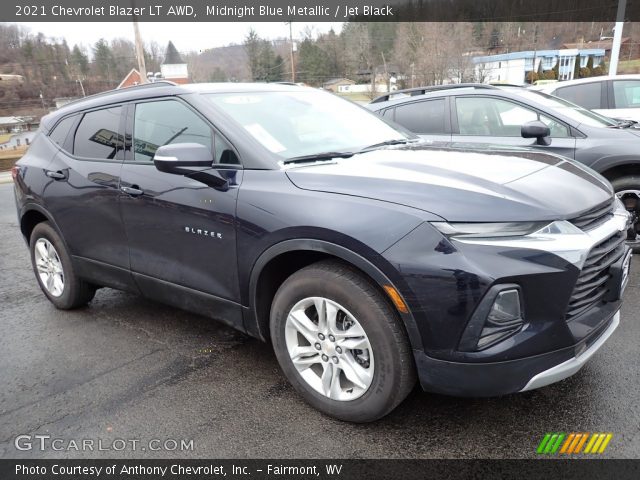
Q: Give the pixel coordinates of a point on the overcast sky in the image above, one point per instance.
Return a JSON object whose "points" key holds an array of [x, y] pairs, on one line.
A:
{"points": [[192, 36]]}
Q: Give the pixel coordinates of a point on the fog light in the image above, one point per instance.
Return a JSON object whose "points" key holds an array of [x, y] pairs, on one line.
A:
{"points": [[503, 320], [499, 315], [506, 308]]}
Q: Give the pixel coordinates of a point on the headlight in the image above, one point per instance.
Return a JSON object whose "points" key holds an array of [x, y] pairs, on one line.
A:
{"points": [[488, 230]]}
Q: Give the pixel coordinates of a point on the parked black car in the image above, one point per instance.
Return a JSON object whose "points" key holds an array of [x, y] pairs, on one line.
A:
{"points": [[478, 113], [363, 254]]}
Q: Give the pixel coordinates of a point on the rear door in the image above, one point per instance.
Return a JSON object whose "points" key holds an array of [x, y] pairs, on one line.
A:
{"points": [[427, 118], [496, 120], [182, 233], [83, 195]]}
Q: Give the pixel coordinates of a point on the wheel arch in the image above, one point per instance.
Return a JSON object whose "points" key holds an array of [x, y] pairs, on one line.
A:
{"points": [[279, 261], [30, 216], [622, 167]]}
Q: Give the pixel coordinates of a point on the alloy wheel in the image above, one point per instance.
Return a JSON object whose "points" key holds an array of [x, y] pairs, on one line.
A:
{"points": [[49, 267], [329, 348]]}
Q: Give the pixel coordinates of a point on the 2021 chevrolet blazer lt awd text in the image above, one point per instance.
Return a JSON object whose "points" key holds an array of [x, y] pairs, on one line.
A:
{"points": [[366, 256]]}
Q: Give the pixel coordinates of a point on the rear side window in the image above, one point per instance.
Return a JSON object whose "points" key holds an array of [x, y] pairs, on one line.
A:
{"points": [[586, 95], [98, 136], [164, 122], [627, 93], [422, 117], [61, 131]]}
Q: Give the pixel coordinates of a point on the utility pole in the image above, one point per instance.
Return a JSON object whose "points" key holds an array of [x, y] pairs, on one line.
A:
{"points": [[293, 69], [79, 80], [617, 38], [386, 72], [142, 69]]}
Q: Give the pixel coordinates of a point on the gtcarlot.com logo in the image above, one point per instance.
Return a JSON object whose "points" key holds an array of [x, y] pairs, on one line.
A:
{"points": [[574, 443]]}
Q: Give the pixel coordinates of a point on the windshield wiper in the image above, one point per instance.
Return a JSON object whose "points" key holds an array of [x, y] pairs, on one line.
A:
{"points": [[625, 124], [398, 141], [318, 156]]}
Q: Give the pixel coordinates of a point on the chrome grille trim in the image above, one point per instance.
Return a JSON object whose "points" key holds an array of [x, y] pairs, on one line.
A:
{"points": [[594, 217], [591, 285]]}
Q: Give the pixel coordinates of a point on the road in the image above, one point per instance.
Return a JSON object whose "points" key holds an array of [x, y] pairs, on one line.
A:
{"points": [[127, 368]]}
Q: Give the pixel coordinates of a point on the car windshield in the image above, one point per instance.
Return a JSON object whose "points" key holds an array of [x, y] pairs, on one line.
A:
{"points": [[571, 110], [304, 123]]}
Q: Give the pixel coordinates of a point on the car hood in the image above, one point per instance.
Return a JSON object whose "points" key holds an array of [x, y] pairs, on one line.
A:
{"points": [[461, 184]]}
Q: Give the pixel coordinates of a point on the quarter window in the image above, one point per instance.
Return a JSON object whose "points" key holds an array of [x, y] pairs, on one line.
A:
{"points": [[98, 135], [627, 93], [61, 131], [165, 122], [422, 117]]}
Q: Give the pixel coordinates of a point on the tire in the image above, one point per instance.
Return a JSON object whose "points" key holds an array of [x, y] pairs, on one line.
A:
{"points": [[66, 291], [632, 202], [387, 372]]}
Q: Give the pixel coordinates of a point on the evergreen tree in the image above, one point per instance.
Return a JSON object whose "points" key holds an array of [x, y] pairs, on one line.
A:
{"points": [[313, 63], [576, 68], [252, 48], [80, 60], [103, 59]]}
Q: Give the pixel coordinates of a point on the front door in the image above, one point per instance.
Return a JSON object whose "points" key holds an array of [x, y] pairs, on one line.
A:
{"points": [[484, 119], [182, 238]]}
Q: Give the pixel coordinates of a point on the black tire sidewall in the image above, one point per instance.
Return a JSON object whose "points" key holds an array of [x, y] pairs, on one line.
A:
{"points": [[71, 283], [372, 316], [626, 183]]}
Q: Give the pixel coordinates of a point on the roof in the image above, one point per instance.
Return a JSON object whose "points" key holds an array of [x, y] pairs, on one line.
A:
{"points": [[601, 78], [603, 44], [503, 57], [160, 89], [334, 81], [132, 73], [171, 56], [14, 120]]}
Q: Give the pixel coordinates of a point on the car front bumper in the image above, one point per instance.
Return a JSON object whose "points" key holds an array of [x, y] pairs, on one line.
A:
{"points": [[500, 378]]}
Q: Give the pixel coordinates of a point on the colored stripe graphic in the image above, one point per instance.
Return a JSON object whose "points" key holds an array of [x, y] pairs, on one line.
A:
{"points": [[573, 443], [582, 442], [543, 443], [567, 442], [607, 439]]}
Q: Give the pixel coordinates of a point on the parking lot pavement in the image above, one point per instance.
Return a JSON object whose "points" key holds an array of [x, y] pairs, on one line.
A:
{"points": [[131, 369]]}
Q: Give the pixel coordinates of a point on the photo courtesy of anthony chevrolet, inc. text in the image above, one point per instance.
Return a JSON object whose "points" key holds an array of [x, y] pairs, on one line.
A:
{"points": [[333, 239]]}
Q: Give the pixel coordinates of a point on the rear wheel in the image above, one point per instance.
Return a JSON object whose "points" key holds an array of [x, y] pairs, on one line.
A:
{"points": [[54, 270], [340, 344], [628, 190]]}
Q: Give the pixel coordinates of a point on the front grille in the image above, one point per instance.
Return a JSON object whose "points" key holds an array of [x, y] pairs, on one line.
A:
{"points": [[594, 217], [591, 286]]}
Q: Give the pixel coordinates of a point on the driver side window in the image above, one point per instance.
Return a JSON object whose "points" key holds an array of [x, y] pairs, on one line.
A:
{"points": [[165, 122], [496, 117]]}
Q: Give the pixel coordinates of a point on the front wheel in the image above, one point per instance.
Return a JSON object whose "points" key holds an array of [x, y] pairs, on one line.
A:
{"points": [[340, 343], [628, 190]]}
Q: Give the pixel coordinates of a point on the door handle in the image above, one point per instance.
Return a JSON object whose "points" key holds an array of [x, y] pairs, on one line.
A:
{"points": [[133, 190], [55, 175]]}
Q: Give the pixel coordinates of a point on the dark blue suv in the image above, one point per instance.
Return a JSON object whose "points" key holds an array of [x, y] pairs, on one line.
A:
{"points": [[363, 254]]}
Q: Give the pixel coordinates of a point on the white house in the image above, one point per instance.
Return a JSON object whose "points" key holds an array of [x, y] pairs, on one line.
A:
{"points": [[513, 67]]}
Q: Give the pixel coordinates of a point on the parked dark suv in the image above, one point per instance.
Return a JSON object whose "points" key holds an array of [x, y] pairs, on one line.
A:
{"points": [[361, 253], [477, 113]]}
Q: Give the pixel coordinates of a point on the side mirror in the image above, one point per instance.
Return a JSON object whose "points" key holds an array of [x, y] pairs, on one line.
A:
{"points": [[191, 160], [173, 158], [538, 130]]}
